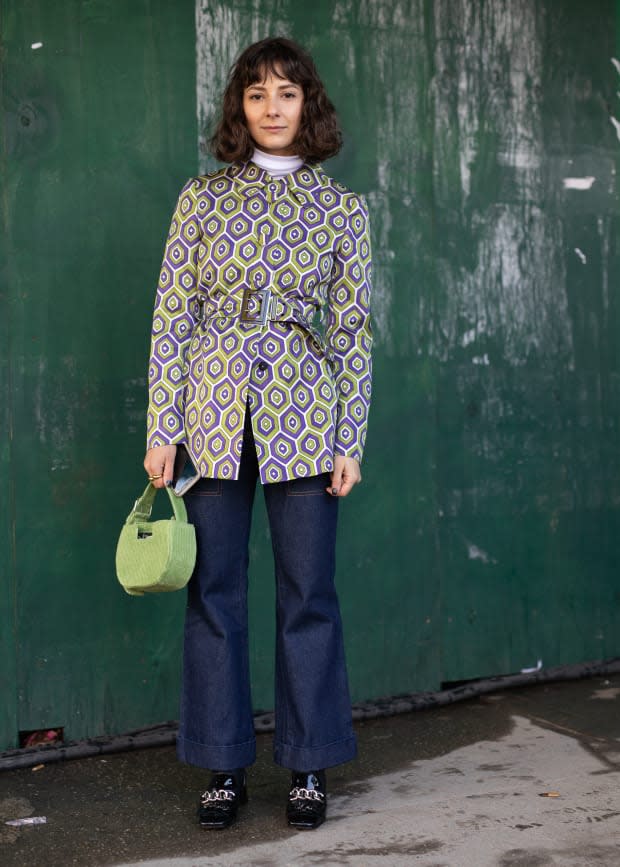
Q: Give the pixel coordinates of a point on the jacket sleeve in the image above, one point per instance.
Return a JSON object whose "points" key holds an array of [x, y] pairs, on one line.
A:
{"points": [[348, 332], [173, 323]]}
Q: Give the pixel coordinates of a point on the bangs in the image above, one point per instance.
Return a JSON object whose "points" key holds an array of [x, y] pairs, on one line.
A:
{"points": [[275, 58]]}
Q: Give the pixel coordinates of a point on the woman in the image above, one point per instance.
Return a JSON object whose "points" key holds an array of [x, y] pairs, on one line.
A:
{"points": [[240, 375]]}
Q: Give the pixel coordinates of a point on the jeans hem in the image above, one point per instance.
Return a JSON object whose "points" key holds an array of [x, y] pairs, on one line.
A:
{"points": [[216, 758], [315, 758]]}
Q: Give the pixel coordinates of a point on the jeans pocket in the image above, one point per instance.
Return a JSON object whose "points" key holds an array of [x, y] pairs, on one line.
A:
{"points": [[308, 487], [206, 488]]}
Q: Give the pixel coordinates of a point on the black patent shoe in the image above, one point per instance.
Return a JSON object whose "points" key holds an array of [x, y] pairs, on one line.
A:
{"points": [[307, 800], [220, 801]]}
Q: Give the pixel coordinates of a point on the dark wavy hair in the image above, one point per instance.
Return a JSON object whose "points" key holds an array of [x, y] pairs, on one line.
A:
{"points": [[319, 135]]}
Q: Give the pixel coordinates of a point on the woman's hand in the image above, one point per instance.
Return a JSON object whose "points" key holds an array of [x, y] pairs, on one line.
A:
{"points": [[159, 465], [346, 473]]}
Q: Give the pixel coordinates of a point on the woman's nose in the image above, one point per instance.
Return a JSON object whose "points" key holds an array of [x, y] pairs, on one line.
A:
{"points": [[272, 107]]}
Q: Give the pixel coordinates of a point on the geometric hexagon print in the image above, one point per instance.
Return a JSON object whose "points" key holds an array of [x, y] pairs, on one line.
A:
{"points": [[250, 263]]}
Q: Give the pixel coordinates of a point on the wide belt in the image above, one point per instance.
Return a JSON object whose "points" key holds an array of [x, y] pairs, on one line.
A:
{"points": [[257, 307]]}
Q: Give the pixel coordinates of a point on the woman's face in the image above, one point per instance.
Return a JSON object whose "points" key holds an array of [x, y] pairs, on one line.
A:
{"points": [[272, 110]]}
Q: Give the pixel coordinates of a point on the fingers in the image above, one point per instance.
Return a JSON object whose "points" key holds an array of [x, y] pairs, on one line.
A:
{"points": [[336, 476], [159, 465], [168, 472], [169, 469], [345, 475]]}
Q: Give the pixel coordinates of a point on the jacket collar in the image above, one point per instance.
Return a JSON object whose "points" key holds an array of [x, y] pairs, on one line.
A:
{"points": [[305, 183]]}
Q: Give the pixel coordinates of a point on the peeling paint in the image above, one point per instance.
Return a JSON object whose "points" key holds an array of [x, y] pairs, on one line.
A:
{"points": [[476, 553], [578, 183], [469, 337], [511, 275]]}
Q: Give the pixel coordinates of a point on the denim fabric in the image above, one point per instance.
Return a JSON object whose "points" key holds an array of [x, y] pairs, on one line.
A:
{"points": [[312, 705]]}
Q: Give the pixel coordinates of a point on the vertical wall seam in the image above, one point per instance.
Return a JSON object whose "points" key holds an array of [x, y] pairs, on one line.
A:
{"points": [[9, 531]]}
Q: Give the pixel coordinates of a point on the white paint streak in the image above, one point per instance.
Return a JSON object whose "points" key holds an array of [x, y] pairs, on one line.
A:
{"points": [[468, 337], [519, 158], [578, 183], [476, 553], [481, 359], [382, 267], [36, 45], [373, 63], [582, 256], [616, 122], [537, 667], [513, 275]]}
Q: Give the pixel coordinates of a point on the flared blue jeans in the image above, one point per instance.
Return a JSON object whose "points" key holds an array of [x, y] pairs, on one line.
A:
{"points": [[312, 706]]}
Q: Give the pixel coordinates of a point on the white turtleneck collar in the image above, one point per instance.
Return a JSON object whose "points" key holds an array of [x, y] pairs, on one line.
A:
{"points": [[277, 167]]}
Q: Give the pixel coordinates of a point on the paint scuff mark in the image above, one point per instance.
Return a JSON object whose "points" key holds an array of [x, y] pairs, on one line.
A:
{"points": [[537, 667], [476, 553], [578, 183], [468, 337], [616, 122], [509, 273], [582, 255], [481, 359], [36, 45]]}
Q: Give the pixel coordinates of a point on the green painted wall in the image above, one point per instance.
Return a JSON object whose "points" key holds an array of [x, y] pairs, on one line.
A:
{"points": [[484, 535], [99, 133]]}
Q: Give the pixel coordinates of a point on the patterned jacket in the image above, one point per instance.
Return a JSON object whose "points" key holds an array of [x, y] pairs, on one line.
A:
{"points": [[250, 264]]}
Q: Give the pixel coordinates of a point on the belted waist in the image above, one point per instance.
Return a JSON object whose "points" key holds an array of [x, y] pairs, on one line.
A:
{"points": [[255, 307]]}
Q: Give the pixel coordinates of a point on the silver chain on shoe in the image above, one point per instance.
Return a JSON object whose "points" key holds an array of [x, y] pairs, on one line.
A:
{"points": [[299, 794], [216, 795]]}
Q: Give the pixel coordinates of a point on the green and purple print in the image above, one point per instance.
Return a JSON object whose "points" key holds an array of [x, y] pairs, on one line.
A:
{"points": [[250, 260]]}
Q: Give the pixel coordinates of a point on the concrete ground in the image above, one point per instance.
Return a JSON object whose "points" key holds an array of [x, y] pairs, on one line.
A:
{"points": [[523, 778]]}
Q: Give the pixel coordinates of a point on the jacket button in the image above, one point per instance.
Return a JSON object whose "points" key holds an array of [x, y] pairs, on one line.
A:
{"points": [[261, 367]]}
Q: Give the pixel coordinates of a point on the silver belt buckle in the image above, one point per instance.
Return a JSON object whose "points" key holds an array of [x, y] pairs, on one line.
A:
{"points": [[265, 305]]}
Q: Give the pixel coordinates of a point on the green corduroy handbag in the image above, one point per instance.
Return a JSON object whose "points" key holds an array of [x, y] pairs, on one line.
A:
{"points": [[155, 556]]}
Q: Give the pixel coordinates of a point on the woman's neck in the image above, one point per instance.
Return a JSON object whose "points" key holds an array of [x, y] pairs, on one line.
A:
{"points": [[276, 166]]}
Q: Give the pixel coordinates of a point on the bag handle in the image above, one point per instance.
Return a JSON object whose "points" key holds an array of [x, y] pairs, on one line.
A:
{"points": [[144, 506]]}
